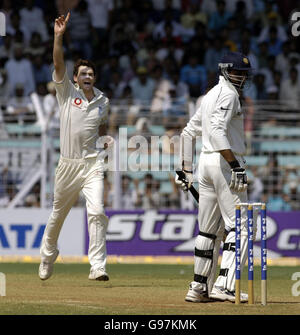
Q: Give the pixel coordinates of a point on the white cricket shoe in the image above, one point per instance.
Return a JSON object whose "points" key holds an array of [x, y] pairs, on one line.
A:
{"points": [[46, 268], [222, 294], [197, 293], [98, 274]]}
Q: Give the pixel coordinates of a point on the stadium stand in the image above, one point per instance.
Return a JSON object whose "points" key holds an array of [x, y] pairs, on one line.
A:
{"points": [[149, 42]]}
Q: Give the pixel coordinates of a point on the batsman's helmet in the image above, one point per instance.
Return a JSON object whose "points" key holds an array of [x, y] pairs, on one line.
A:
{"points": [[238, 62]]}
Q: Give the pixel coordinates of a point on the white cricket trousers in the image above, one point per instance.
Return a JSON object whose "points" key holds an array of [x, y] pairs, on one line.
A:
{"points": [[216, 212], [71, 177]]}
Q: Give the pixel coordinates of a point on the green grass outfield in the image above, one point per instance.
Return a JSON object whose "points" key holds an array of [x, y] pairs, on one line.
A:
{"points": [[133, 289]]}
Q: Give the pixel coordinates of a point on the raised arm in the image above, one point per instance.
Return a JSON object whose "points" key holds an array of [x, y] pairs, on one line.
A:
{"points": [[60, 26]]}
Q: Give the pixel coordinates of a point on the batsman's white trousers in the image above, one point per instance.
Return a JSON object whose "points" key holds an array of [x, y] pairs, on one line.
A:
{"points": [[216, 210], [71, 177]]}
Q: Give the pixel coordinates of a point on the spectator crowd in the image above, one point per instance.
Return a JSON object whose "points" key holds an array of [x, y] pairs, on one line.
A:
{"points": [[152, 56]]}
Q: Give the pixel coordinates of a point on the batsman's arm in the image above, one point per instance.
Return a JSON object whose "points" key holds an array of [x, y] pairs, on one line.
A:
{"points": [[230, 158], [60, 26]]}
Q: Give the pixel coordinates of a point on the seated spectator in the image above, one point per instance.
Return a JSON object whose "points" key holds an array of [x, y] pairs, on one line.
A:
{"points": [[149, 197], [19, 70], [124, 25], [4, 87], [172, 7], [101, 17], [234, 34], [277, 202], [169, 50], [6, 49], [227, 42], [213, 55], [290, 90], [129, 195], [218, 20], [142, 87], [294, 62], [263, 55], [169, 37], [256, 186], [32, 17], [41, 70], [36, 47], [182, 89], [161, 89], [123, 111], [273, 21], [16, 25], [208, 7], [282, 60], [240, 12], [274, 43], [245, 8], [51, 108], [117, 85], [80, 30], [122, 43], [269, 71], [109, 67], [32, 199], [194, 75], [20, 108], [159, 31], [272, 174], [174, 106], [294, 195], [193, 15]]}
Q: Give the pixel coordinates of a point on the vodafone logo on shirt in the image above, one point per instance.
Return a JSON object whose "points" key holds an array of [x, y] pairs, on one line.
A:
{"points": [[77, 102]]}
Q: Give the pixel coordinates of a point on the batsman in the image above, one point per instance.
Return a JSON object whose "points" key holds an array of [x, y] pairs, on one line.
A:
{"points": [[83, 118], [222, 180]]}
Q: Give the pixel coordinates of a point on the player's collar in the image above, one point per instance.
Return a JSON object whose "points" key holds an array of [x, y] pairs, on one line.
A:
{"points": [[98, 94], [223, 81]]}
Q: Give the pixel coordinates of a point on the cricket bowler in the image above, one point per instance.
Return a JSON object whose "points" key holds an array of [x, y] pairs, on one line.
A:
{"points": [[83, 118]]}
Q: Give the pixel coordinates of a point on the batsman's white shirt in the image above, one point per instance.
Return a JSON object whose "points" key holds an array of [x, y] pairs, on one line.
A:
{"points": [[220, 122], [79, 119]]}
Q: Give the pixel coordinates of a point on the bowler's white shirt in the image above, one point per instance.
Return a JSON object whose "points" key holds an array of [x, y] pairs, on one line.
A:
{"points": [[79, 119]]}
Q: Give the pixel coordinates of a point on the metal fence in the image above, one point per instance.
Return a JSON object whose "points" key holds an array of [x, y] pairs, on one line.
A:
{"points": [[142, 162]]}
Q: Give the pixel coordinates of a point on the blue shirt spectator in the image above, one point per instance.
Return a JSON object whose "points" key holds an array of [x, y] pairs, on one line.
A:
{"points": [[142, 87], [277, 203], [213, 55], [41, 70], [194, 75], [274, 43], [219, 18]]}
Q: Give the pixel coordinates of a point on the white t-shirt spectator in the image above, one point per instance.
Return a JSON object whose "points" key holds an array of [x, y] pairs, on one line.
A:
{"points": [[290, 93], [20, 108], [20, 72], [142, 93], [51, 108], [33, 20], [99, 11]]}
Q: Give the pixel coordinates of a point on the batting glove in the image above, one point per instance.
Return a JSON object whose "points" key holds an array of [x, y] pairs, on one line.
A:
{"points": [[238, 182], [185, 183]]}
